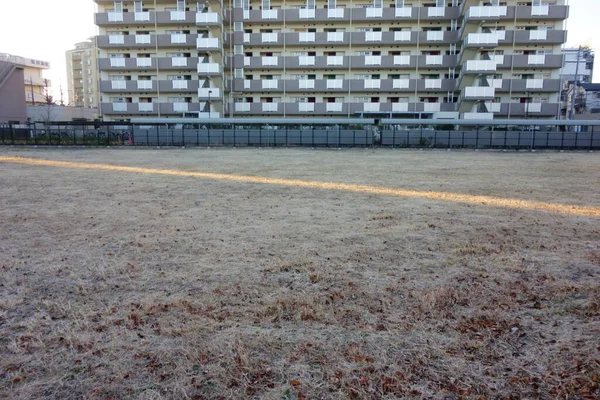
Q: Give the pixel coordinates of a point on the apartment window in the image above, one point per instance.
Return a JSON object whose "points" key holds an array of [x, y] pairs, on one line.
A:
{"points": [[310, 4], [237, 3], [137, 6], [266, 4], [118, 6], [378, 3], [331, 3], [180, 5], [239, 73]]}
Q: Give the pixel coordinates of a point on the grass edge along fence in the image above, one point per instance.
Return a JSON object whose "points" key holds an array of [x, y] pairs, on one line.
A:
{"points": [[266, 132]]}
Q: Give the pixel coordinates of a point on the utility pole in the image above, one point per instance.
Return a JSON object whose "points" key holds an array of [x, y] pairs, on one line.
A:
{"points": [[575, 84]]}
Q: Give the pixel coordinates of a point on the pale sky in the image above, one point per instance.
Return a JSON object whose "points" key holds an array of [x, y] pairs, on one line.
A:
{"points": [[45, 29]]}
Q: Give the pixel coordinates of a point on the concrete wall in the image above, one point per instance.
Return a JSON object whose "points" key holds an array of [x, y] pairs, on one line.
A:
{"points": [[12, 95], [59, 113]]}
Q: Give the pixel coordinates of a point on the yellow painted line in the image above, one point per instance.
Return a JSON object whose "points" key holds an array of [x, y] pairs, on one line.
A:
{"points": [[588, 211]]}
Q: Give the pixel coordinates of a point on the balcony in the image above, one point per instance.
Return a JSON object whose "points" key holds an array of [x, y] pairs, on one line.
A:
{"points": [[333, 107], [269, 61], [477, 115], [306, 83], [487, 13], [482, 40], [335, 83], [306, 107], [141, 41], [371, 107], [209, 69], [146, 107], [478, 93], [306, 13], [479, 66], [208, 19], [143, 62], [208, 44], [211, 93], [270, 84], [270, 107], [268, 14]]}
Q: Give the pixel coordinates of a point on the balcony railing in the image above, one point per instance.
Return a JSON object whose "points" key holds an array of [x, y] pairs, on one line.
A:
{"points": [[209, 68], [479, 92], [208, 43], [144, 85], [210, 18], [487, 12]]}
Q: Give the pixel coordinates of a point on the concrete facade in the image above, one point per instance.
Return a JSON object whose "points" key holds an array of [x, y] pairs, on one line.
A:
{"points": [[12, 93], [82, 75], [401, 58], [33, 73], [59, 113]]}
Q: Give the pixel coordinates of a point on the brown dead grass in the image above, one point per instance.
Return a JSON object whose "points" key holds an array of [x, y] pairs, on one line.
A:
{"points": [[121, 285]]}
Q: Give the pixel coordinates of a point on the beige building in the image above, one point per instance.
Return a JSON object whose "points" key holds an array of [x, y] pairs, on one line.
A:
{"points": [[400, 58], [33, 72], [82, 75]]}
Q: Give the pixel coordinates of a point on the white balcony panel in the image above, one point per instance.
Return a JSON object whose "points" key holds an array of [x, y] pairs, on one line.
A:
{"points": [[143, 39], [180, 84], [372, 84], [246, 38], [401, 60], [501, 35], [431, 107], [335, 60], [536, 59], [144, 85], [213, 93], [493, 107], [335, 36], [400, 83], [117, 62], [433, 83], [143, 62], [495, 83], [116, 39], [306, 60], [487, 11], [118, 85], [479, 91], [333, 107], [306, 37], [269, 14], [247, 84], [142, 16], [270, 107], [482, 38], [402, 36], [373, 36], [480, 65], [436, 11], [242, 107], [335, 83], [114, 16], [179, 61], [207, 18], [534, 83], [372, 60], [306, 84], [181, 107], [540, 10], [374, 12], [335, 13], [246, 14], [497, 58], [270, 37], [478, 115], [405, 12], [270, 83], [435, 35], [177, 15], [247, 61], [538, 35], [371, 107], [399, 107], [145, 107], [208, 43], [209, 68], [533, 107], [434, 60], [178, 38], [269, 61], [119, 107], [306, 107], [306, 13]]}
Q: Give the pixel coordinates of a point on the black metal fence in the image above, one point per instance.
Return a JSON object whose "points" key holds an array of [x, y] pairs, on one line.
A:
{"points": [[322, 135]]}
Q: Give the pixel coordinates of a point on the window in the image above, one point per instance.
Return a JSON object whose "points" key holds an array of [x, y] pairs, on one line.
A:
{"points": [[180, 5], [118, 6], [238, 49], [238, 26]]}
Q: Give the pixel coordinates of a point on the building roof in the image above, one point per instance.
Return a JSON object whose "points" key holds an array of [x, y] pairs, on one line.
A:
{"points": [[23, 61]]}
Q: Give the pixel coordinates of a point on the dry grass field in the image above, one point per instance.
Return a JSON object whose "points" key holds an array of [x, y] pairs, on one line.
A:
{"points": [[129, 285]]}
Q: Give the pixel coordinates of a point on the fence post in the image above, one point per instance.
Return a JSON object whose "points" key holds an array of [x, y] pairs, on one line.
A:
{"points": [[547, 139], [462, 142], [260, 135], [34, 134], [131, 135], [491, 137], [339, 144], [435, 138], [394, 136], [519, 140], [286, 135], [183, 135], [592, 138], [421, 135], [312, 130], [27, 135], [576, 139], [208, 142], [234, 125], [408, 139], [477, 137], [197, 135], [157, 136], [449, 140], [505, 135], [12, 134], [147, 137], [562, 141]]}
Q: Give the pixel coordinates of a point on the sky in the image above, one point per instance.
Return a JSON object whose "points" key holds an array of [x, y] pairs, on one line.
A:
{"points": [[46, 29]]}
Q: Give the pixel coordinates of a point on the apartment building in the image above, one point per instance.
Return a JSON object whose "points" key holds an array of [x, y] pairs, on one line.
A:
{"points": [[83, 75], [33, 72], [341, 58]]}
